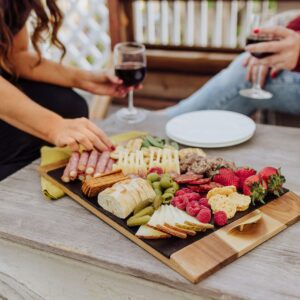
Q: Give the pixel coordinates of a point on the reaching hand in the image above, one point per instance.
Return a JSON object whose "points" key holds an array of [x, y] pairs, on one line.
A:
{"points": [[75, 132], [286, 48]]}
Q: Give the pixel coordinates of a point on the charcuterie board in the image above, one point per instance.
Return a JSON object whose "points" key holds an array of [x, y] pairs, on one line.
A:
{"points": [[206, 252]]}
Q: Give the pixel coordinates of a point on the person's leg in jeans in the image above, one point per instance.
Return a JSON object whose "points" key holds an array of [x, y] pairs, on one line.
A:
{"points": [[222, 92], [17, 148]]}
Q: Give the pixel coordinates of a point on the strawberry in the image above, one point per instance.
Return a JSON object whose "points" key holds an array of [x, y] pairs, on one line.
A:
{"points": [[256, 188], [157, 170], [243, 173], [274, 180], [226, 177]]}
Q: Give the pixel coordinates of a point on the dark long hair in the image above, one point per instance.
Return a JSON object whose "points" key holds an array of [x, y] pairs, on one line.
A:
{"points": [[48, 19]]}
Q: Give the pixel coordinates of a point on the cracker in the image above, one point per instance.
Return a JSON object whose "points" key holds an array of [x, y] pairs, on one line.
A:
{"points": [[226, 191], [242, 202]]}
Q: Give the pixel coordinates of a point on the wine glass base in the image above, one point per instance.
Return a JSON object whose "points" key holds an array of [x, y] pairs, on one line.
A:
{"points": [[133, 116], [258, 94]]}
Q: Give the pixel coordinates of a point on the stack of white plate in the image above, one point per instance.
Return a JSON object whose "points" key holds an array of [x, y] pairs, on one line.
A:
{"points": [[211, 128]]}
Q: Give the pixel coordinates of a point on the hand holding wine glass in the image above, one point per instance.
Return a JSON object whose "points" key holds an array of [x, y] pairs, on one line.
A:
{"points": [[130, 66]]}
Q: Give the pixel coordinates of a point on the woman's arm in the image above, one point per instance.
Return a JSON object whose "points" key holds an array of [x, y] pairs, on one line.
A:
{"points": [[21, 112], [25, 64]]}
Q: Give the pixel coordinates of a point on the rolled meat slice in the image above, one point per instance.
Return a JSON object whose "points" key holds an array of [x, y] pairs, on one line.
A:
{"points": [[66, 175], [102, 163], [92, 162], [109, 166], [84, 158], [74, 160]]}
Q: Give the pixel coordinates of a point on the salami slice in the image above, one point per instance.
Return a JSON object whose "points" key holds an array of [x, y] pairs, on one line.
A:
{"points": [[109, 166], [74, 165], [84, 158], [102, 163], [66, 175], [186, 178], [200, 181], [92, 162]]}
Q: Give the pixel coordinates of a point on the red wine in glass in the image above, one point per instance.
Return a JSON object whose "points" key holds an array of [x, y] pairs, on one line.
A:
{"points": [[132, 73], [252, 39]]}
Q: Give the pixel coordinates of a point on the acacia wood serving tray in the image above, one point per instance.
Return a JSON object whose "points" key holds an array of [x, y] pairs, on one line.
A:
{"points": [[196, 257]]}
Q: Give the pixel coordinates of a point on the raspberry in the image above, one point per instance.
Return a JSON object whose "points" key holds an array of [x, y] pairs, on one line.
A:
{"points": [[183, 192], [180, 202], [204, 202], [192, 197], [204, 215], [193, 208], [220, 218]]}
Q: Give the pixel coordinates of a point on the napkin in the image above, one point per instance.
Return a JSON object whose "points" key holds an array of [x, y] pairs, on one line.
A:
{"points": [[50, 155]]}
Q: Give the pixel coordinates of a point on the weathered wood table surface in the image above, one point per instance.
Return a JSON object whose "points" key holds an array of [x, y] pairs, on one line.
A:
{"points": [[58, 250]]}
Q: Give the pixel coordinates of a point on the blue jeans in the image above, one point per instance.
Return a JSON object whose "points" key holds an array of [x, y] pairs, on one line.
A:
{"points": [[222, 92]]}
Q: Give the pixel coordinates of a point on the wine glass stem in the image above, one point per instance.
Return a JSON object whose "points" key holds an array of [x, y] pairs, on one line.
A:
{"points": [[256, 85], [130, 101]]}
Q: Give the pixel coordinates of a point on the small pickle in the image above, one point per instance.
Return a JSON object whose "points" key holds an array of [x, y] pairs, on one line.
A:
{"points": [[152, 177], [166, 181], [137, 221], [158, 192], [141, 206], [156, 185], [170, 190], [144, 212], [157, 202], [176, 186], [167, 197]]}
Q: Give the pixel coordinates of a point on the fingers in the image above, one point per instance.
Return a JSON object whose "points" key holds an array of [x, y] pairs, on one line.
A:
{"points": [[73, 145], [271, 47], [277, 31], [100, 134], [96, 142], [246, 61], [272, 60], [83, 140]]}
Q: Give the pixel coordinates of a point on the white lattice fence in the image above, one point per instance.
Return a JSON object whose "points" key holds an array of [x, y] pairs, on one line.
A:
{"points": [[84, 33]]}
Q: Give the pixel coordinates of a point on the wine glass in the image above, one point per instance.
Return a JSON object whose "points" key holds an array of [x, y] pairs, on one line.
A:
{"points": [[256, 92], [130, 66]]}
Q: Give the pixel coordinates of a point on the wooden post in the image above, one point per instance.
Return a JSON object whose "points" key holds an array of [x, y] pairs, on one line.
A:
{"points": [[114, 7]]}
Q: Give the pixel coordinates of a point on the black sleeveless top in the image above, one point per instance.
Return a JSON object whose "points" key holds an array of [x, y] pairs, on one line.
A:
{"points": [[16, 13]]}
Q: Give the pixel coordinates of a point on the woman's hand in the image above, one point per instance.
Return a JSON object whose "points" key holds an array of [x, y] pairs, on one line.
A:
{"points": [[286, 49], [75, 132], [252, 71], [104, 83]]}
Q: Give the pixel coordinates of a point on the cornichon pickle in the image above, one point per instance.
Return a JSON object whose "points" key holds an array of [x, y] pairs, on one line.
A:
{"points": [[176, 186], [166, 181], [153, 177], [141, 206], [158, 192], [157, 202], [145, 211], [167, 197], [156, 185], [137, 221], [170, 190]]}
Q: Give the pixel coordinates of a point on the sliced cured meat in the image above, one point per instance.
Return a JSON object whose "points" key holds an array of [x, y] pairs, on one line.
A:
{"points": [[109, 166], [92, 162], [84, 157], [200, 181], [102, 163], [74, 160], [66, 175], [204, 188], [186, 178]]}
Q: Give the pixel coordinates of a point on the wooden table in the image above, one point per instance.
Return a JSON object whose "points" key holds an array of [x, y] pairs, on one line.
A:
{"points": [[58, 250]]}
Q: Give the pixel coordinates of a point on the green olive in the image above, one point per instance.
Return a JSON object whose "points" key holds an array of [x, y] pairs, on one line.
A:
{"points": [[146, 211], [158, 192], [170, 190], [141, 206], [166, 181], [156, 185], [167, 197], [152, 177], [176, 186]]}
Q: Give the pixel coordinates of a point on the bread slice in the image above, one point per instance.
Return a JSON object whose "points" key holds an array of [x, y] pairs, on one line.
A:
{"points": [[148, 233]]}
